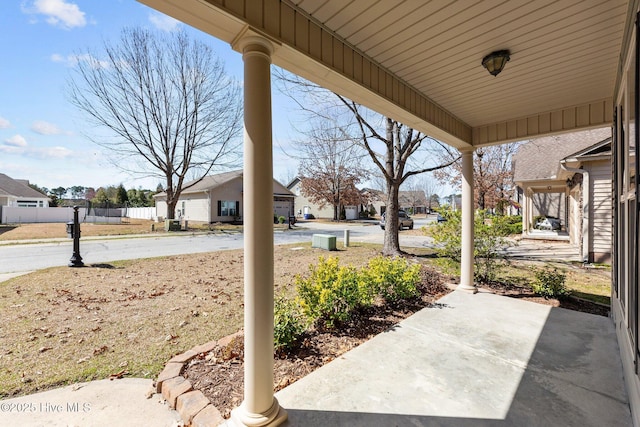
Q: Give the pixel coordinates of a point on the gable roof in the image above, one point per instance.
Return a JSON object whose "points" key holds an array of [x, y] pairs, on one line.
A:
{"points": [[18, 188], [598, 150], [210, 182], [540, 158], [408, 198]]}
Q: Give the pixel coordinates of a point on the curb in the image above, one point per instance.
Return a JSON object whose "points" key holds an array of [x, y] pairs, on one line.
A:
{"points": [[194, 407]]}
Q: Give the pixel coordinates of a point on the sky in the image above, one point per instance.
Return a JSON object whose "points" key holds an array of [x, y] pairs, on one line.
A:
{"points": [[42, 136]]}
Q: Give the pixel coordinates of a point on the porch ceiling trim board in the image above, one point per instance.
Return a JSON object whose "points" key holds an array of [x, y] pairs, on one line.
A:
{"points": [[419, 62]]}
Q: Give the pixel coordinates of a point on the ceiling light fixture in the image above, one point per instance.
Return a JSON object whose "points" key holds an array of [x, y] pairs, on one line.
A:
{"points": [[495, 61]]}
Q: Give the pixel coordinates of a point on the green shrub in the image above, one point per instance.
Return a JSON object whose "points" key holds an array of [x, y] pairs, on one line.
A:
{"points": [[281, 219], [448, 234], [490, 232], [549, 283], [509, 225], [288, 324], [392, 278], [330, 293]]}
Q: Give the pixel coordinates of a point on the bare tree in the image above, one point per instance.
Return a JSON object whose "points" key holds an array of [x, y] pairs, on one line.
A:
{"points": [[430, 188], [167, 105], [492, 176], [412, 195], [330, 167], [392, 146], [287, 175], [400, 142]]}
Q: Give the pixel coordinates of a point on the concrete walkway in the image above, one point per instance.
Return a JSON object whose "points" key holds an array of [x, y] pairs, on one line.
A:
{"points": [[473, 360], [101, 403], [543, 250]]}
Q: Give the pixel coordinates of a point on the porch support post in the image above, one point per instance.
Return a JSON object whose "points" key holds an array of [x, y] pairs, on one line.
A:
{"points": [[466, 264], [525, 209], [260, 407]]}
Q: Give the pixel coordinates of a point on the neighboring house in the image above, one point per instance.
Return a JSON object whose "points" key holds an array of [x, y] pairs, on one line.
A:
{"points": [[218, 198], [305, 207], [17, 193], [376, 199], [413, 201], [568, 177], [590, 200]]}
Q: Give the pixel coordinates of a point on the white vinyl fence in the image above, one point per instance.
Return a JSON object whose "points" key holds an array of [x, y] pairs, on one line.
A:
{"points": [[17, 215], [140, 213]]}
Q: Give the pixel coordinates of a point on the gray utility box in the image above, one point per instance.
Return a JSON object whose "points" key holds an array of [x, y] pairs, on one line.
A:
{"points": [[324, 241]]}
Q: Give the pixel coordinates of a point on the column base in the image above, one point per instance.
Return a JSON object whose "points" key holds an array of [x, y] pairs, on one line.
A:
{"points": [[467, 288], [275, 416]]}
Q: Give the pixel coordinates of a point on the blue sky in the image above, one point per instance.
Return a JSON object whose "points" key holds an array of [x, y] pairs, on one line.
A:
{"points": [[40, 131]]}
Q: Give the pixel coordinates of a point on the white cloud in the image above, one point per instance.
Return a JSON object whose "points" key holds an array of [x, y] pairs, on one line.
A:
{"points": [[72, 60], [4, 123], [55, 152], [58, 13], [17, 145], [164, 22], [16, 141], [46, 128]]}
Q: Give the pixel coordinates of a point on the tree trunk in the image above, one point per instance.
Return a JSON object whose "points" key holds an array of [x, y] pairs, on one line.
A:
{"points": [[391, 246], [171, 208]]}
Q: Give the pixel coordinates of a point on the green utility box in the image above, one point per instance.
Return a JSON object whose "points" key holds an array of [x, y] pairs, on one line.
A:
{"points": [[171, 225], [324, 241]]}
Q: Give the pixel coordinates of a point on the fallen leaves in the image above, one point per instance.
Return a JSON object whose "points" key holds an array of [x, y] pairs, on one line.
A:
{"points": [[118, 375], [100, 350]]}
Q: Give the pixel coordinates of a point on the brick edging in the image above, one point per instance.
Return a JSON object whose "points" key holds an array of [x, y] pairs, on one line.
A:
{"points": [[194, 407]]}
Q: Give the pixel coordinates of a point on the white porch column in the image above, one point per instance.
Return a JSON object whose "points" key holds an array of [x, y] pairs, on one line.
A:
{"points": [[525, 209], [259, 408], [466, 264]]}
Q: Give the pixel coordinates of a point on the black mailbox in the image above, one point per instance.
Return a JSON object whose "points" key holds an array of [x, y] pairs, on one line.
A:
{"points": [[70, 230]]}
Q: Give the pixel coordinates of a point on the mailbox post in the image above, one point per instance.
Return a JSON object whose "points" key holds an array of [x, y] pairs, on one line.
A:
{"points": [[76, 259]]}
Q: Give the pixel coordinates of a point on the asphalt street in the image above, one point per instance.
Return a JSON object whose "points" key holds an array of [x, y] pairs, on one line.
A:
{"points": [[16, 258]]}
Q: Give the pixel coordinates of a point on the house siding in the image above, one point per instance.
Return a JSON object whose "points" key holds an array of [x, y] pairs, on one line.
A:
{"points": [[301, 202], [161, 208], [229, 191], [193, 207], [600, 211]]}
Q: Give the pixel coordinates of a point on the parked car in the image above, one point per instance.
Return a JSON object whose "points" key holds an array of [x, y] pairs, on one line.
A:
{"points": [[548, 223], [404, 220], [441, 218]]}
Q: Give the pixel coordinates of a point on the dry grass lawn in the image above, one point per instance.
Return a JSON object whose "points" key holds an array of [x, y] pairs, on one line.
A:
{"points": [[58, 230], [63, 325]]}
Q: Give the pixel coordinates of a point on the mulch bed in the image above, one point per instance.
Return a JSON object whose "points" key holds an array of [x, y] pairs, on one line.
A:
{"points": [[219, 373], [570, 303]]}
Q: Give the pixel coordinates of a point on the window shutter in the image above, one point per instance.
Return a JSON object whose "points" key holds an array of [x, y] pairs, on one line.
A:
{"points": [[237, 208], [219, 208]]}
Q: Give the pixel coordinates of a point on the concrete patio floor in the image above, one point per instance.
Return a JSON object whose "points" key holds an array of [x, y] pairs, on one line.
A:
{"points": [[473, 360]]}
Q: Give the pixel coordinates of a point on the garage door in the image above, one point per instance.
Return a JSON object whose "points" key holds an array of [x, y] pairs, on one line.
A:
{"points": [[282, 208]]}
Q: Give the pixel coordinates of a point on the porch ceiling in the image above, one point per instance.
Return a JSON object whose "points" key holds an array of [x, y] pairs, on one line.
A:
{"points": [[418, 61]]}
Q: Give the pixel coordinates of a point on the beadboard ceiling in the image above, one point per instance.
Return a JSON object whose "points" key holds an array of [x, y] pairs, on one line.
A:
{"points": [[563, 53]]}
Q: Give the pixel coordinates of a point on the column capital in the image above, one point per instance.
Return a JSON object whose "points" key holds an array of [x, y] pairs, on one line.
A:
{"points": [[467, 150], [249, 41]]}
